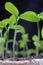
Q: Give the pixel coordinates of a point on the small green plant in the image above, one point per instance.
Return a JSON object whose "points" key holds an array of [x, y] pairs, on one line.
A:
{"points": [[36, 38], [3, 24], [12, 23]]}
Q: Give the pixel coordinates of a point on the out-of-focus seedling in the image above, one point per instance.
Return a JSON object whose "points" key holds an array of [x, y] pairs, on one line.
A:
{"points": [[3, 24], [13, 21]]}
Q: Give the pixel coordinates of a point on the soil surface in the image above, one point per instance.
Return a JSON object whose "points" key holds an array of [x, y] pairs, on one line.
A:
{"points": [[22, 61]]}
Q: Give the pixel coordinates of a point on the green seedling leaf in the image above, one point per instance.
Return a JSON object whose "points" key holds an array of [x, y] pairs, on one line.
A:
{"points": [[36, 42], [35, 38], [2, 40], [31, 51], [22, 43], [42, 33], [21, 53], [24, 53], [24, 40], [12, 20], [41, 45], [11, 8], [25, 37], [19, 28], [30, 16], [3, 23], [41, 15]]}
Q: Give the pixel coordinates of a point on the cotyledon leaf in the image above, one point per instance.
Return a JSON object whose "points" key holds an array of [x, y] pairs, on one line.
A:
{"points": [[12, 20], [22, 43], [36, 42], [19, 28], [25, 37], [3, 23], [30, 16], [41, 15], [35, 38], [11, 8]]}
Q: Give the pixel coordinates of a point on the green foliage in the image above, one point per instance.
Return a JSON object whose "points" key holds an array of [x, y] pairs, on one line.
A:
{"points": [[2, 41], [18, 28], [42, 33], [13, 24], [22, 43], [3, 23], [36, 41], [35, 38], [30, 16], [24, 40], [31, 51], [11, 8], [41, 15], [12, 20], [37, 44], [24, 53], [41, 45], [25, 37]]}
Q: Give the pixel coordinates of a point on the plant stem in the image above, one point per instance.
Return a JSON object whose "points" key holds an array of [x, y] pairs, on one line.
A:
{"points": [[37, 49], [7, 40], [24, 51], [14, 42], [27, 49], [3, 46], [16, 48]]}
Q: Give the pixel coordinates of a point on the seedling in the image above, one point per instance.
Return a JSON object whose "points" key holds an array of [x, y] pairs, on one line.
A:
{"points": [[3, 24], [28, 16], [4, 37], [36, 38], [13, 24], [13, 20]]}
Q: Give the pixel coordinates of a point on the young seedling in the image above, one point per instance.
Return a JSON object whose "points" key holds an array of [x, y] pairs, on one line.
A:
{"points": [[3, 24], [14, 20], [37, 42], [4, 37], [23, 43], [41, 42], [33, 17], [28, 16]]}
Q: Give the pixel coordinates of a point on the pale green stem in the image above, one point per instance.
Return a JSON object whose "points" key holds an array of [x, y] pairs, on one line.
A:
{"points": [[24, 51], [27, 49], [14, 42], [3, 48], [7, 40], [16, 48], [37, 49]]}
